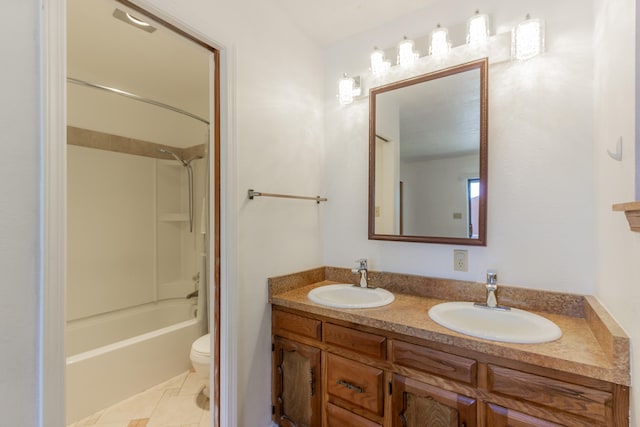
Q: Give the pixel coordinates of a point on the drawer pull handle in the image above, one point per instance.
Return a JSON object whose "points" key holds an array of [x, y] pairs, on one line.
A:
{"points": [[350, 386]]}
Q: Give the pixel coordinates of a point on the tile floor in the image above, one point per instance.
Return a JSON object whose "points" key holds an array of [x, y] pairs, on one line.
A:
{"points": [[178, 402]]}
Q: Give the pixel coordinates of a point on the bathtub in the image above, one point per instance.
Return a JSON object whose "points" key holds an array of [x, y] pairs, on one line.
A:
{"points": [[117, 355]]}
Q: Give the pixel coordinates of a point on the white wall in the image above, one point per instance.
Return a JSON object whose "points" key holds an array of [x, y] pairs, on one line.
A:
{"points": [[20, 208], [433, 191], [618, 249], [278, 147], [540, 157]]}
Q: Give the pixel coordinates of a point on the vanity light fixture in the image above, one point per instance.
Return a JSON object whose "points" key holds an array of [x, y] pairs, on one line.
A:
{"points": [[440, 44], [477, 28], [348, 88], [379, 65], [406, 55], [527, 39]]}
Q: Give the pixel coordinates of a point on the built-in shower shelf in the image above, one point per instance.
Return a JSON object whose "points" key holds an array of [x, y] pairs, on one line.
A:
{"points": [[632, 212], [174, 217]]}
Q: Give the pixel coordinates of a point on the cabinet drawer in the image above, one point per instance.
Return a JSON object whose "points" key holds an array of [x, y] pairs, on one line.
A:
{"points": [[287, 324], [497, 416], [434, 362], [560, 395], [363, 343], [355, 383], [338, 417]]}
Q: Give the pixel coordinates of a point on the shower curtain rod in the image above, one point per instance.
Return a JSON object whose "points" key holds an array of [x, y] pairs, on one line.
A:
{"points": [[136, 97]]}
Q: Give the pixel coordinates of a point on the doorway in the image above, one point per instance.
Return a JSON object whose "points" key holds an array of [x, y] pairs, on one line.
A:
{"points": [[473, 204], [144, 145]]}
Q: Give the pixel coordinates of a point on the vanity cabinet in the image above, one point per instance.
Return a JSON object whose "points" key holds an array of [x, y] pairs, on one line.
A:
{"points": [[333, 373], [296, 373]]}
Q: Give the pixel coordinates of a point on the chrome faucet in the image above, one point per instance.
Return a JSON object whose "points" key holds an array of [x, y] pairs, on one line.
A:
{"points": [[362, 270], [492, 287], [196, 282]]}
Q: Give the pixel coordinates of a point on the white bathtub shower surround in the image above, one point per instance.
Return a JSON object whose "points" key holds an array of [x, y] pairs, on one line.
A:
{"points": [[91, 333], [100, 377]]}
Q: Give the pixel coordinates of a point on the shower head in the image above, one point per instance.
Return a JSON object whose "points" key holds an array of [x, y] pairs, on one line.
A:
{"points": [[175, 156]]}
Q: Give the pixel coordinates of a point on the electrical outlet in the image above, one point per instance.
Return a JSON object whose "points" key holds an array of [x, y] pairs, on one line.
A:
{"points": [[460, 260]]}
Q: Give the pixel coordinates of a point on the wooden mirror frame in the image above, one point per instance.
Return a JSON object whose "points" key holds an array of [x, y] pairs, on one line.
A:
{"points": [[483, 66]]}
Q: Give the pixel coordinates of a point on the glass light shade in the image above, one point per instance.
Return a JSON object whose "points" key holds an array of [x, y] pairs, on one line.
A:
{"points": [[137, 21], [477, 28], [406, 54], [378, 63], [345, 90], [527, 39], [439, 41]]}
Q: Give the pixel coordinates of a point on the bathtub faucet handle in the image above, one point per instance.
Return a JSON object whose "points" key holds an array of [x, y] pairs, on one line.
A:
{"points": [[193, 294]]}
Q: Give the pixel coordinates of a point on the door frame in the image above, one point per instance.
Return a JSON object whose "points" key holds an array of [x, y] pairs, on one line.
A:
{"points": [[52, 304]]}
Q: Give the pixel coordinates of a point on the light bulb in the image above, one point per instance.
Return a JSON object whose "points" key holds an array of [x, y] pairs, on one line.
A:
{"points": [[378, 63], [406, 54], [527, 39], [477, 28], [345, 90], [439, 41]]}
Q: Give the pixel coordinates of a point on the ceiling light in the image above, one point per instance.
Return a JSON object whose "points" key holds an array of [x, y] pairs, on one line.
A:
{"points": [[127, 18], [439, 41], [527, 39], [136, 20], [379, 65], [477, 28], [406, 55]]}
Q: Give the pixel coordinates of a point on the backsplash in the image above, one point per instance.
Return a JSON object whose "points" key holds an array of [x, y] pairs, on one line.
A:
{"points": [[439, 288]]}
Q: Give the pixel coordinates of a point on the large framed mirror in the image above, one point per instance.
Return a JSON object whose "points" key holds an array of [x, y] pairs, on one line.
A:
{"points": [[428, 157]]}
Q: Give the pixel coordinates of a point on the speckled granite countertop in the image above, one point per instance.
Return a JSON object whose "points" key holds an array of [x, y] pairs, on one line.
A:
{"points": [[592, 344]]}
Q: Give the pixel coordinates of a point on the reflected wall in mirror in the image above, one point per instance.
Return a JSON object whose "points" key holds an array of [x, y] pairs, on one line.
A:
{"points": [[428, 157]]}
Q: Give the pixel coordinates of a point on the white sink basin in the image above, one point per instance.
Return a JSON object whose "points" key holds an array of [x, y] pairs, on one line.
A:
{"points": [[515, 326], [350, 296]]}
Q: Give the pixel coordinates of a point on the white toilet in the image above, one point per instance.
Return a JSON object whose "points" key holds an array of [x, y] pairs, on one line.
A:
{"points": [[201, 359]]}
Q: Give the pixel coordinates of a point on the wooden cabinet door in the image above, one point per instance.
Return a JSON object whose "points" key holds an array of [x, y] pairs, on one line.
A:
{"points": [[296, 394], [497, 416], [416, 404]]}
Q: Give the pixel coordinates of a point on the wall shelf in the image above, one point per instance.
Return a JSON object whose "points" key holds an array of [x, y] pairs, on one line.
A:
{"points": [[632, 212]]}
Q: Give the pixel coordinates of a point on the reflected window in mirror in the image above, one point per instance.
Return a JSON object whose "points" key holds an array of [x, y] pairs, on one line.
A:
{"points": [[428, 157]]}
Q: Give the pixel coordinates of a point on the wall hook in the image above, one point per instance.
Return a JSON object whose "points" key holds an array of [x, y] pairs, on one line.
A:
{"points": [[618, 154]]}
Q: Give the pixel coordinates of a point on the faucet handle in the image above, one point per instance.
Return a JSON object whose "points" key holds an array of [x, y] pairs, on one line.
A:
{"points": [[492, 277]]}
